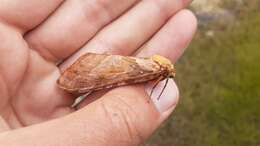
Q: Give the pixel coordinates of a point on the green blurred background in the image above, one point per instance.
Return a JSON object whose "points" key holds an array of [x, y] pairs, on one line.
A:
{"points": [[219, 79]]}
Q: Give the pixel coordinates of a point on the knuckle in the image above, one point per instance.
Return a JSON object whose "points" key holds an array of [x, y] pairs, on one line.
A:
{"points": [[98, 10], [169, 7], [161, 8]]}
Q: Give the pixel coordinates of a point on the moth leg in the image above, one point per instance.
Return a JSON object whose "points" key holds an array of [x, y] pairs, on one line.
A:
{"points": [[165, 85], [79, 100], [155, 84]]}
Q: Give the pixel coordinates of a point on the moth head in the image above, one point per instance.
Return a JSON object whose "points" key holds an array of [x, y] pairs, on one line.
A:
{"points": [[166, 63]]}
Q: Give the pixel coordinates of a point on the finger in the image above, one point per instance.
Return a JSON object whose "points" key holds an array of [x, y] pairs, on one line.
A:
{"points": [[170, 42], [131, 30], [122, 117], [13, 61], [73, 25], [173, 38], [24, 15]]}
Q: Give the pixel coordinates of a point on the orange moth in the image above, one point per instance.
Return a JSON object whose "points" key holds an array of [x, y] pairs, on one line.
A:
{"points": [[93, 72]]}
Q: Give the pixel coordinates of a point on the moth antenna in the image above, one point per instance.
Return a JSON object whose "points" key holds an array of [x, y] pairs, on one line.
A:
{"points": [[165, 85], [156, 83]]}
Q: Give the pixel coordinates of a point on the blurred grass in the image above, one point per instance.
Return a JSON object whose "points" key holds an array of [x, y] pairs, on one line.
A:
{"points": [[219, 80]]}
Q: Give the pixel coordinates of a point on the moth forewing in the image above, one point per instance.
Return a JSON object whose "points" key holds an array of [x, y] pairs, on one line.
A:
{"points": [[93, 72]]}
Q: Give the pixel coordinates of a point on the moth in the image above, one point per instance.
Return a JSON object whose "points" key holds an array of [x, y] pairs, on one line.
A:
{"points": [[93, 72]]}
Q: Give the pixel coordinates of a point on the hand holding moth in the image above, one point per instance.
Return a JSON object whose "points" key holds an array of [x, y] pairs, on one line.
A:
{"points": [[50, 35]]}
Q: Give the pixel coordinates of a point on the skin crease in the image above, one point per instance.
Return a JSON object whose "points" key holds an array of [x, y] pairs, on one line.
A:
{"points": [[34, 111]]}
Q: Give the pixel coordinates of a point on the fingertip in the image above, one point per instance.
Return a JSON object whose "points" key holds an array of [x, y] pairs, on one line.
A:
{"points": [[182, 28], [169, 97], [186, 16]]}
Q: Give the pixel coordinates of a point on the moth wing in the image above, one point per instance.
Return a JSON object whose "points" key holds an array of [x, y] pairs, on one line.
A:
{"points": [[74, 77], [97, 71]]}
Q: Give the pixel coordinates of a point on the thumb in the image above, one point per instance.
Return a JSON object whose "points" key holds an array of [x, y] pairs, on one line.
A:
{"points": [[124, 116], [127, 115]]}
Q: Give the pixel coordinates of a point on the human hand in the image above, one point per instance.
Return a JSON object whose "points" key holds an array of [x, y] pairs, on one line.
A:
{"points": [[36, 35]]}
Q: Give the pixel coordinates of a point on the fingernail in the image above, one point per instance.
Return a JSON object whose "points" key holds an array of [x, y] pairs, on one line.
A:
{"points": [[169, 97]]}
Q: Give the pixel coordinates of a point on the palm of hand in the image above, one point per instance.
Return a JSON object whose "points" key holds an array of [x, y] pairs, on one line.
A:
{"points": [[27, 84]]}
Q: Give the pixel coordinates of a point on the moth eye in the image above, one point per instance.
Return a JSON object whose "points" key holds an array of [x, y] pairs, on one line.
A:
{"points": [[141, 72]]}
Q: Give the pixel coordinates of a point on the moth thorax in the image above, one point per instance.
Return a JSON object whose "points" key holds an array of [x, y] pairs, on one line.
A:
{"points": [[166, 63]]}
